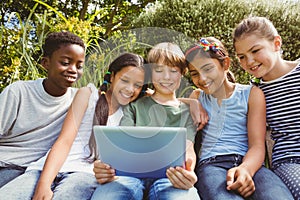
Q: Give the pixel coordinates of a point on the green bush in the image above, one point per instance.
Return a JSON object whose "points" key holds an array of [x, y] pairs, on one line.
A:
{"points": [[19, 54], [180, 21], [218, 18], [21, 44]]}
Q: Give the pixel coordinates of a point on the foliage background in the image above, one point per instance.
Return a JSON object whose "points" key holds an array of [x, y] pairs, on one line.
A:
{"points": [[110, 27], [218, 18], [24, 25]]}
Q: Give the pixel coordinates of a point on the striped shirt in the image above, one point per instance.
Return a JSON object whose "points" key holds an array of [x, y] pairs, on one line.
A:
{"points": [[283, 114]]}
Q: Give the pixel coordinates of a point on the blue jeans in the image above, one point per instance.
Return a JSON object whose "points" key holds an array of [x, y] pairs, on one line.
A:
{"points": [[289, 172], [211, 183], [66, 186], [9, 173], [125, 188]]}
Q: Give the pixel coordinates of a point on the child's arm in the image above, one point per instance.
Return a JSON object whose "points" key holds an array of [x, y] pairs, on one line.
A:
{"points": [[63, 144], [198, 113], [8, 109], [184, 178], [240, 178]]}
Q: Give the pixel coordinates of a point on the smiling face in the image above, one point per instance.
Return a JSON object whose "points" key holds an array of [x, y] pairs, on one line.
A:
{"points": [[258, 56], [65, 67], [208, 74], [165, 79], [127, 84]]}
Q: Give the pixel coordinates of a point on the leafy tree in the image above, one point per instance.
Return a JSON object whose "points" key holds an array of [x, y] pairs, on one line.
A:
{"points": [[112, 15], [24, 25]]}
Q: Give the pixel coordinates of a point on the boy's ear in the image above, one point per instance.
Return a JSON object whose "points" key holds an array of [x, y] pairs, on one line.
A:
{"points": [[277, 43], [45, 62]]}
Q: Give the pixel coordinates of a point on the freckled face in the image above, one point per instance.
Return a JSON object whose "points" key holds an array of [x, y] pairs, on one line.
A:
{"points": [[127, 84]]}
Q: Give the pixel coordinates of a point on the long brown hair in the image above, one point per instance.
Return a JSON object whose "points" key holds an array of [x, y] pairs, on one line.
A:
{"points": [[102, 107]]}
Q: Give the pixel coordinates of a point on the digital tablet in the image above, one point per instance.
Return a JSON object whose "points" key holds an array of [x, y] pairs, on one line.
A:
{"points": [[142, 152]]}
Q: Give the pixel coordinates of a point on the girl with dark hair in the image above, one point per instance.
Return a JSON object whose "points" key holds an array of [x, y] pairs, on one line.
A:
{"points": [[111, 99], [67, 166]]}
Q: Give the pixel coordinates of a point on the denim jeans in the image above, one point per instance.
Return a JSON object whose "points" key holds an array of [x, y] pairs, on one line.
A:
{"points": [[66, 186], [211, 183], [9, 173], [129, 188], [289, 171]]}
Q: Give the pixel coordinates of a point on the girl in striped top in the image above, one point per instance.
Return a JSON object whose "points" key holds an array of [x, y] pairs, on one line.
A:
{"points": [[258, 47]]}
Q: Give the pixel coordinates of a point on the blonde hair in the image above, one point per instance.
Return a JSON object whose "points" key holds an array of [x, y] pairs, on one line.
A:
{"points": [[260, 26], [168, 54]]}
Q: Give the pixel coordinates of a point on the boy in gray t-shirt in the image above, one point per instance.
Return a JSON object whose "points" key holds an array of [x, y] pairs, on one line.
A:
{"points": [[32, 112]]}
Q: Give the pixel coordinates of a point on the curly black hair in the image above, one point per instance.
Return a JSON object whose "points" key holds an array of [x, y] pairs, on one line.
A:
{"points": [[55, 39]]}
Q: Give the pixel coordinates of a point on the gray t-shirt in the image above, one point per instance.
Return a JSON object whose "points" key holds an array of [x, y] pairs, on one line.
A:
{"points": [[31, 120]]}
